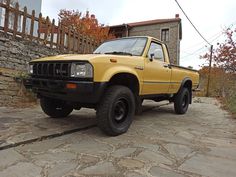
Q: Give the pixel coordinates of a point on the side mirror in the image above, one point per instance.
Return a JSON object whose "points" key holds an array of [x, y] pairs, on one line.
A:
{"points": [[152, 56]]}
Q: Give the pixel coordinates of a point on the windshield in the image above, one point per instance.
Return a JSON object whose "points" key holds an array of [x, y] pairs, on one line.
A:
{"points": [[125, 46]]}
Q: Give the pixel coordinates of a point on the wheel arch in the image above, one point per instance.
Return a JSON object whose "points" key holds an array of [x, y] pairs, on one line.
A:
{"points": [[187, 83], [127, 79]]}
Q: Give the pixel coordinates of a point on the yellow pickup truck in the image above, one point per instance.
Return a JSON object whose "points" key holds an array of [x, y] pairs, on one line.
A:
{"points": [[114, 80]]}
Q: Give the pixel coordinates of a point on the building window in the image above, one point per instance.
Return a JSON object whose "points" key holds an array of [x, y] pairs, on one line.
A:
{"points": [[165, 34]]}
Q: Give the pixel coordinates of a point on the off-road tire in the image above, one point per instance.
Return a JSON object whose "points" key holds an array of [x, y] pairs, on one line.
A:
{"points": [[116, 110], [55, 108], [181, 101]]}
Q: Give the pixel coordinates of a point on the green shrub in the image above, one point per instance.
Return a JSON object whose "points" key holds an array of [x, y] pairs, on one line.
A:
{"points": [[231, 103]]}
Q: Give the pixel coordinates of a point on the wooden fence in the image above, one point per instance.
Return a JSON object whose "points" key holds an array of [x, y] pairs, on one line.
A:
{"points": [[19, 23]]}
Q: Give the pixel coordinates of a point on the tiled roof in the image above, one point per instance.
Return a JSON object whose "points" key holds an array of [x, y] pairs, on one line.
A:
{"points": [[157, 21]]}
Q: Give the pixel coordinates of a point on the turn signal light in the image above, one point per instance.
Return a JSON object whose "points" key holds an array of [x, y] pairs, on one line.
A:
{"points": [[71, 86], [113, 60]]}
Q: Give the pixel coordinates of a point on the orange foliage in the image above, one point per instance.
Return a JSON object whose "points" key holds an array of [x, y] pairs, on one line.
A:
{"points": [[223, 73], [86, 24], [222, 83], [224, 56]]}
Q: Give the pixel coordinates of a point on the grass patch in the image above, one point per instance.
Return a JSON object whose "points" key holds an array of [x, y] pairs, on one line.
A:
{"points": [[230, 104]]}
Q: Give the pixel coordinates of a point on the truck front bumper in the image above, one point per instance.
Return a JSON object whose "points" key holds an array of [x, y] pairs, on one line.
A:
{"points": [[82, 91]]}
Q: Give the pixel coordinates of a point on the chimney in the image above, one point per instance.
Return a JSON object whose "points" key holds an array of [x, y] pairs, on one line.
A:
{"points": [[176, 15]]}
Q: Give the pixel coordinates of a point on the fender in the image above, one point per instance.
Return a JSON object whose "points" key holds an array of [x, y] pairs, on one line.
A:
{"points": [[184, 81], [119, 70]]}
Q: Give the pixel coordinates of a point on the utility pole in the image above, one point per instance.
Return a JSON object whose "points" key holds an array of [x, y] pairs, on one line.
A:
{"points": [[209, 72]]}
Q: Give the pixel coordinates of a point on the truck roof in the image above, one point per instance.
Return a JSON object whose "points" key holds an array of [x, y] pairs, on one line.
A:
{"points": [[149, 37]]}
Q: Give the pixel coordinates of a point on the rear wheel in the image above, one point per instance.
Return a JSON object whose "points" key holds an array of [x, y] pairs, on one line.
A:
{"points": [[55, 108], [181, 101], [116, 110]]}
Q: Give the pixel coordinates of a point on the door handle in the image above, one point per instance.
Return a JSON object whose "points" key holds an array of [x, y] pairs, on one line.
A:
{"points": [[167, 65]]}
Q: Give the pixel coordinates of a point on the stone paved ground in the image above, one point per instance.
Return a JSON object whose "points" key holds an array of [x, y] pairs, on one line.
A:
{"points": [[159, 143], [17, 125]]}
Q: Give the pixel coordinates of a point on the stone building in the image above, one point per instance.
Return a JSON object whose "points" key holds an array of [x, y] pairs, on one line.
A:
{"points": [[167, 30]]}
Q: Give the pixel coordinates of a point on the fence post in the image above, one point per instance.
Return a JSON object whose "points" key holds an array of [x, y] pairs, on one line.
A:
{"points": [[24, 22], [78, 43], [47, 24], [32, 25], [52, 33], [68, 40], [39, 26], [74, 39], [82, 43], [6, 21], [85, 44], [93, 45], [58, 35], [90, 45], [16, 13], [62, 38]]}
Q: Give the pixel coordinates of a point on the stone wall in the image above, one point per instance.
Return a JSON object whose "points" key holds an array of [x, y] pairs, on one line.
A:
{"points": [[12, 91], [14, 56]]}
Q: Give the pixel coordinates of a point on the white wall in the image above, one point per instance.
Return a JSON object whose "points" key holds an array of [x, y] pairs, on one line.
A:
{"points": [[31, 5]]}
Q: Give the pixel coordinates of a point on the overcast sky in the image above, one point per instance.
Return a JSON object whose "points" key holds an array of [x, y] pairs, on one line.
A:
{"points": [[209, 16]]}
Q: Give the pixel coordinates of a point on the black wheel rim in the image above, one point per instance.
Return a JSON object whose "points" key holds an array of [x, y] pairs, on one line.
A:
{"points": [[185, 101], [120, 111], [58, 104]]}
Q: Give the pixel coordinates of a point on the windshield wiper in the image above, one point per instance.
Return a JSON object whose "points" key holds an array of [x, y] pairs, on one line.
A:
{"points": [[119, 53]]}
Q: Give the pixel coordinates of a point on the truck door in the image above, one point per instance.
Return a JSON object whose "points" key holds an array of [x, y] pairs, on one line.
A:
{"points": [[157, 74]]}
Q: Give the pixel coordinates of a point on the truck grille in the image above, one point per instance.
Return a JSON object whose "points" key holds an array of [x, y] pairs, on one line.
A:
{"points": [[48, 69]]}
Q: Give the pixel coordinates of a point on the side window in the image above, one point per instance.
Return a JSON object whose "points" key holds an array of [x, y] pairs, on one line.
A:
{"points": [[156, 52]]}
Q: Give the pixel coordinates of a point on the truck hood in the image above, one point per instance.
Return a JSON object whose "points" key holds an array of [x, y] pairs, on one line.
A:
{"points": [[70, 57], [80, 57]]}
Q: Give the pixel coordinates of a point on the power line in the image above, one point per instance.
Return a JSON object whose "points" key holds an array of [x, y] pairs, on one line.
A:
{"points": [[211, 39], [193, 53], [200, 49], [192, 23], [200, 43]]}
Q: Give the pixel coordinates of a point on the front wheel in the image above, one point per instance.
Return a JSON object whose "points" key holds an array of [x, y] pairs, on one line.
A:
{"points": [[116, 110], [181, 101], [55, 108]]}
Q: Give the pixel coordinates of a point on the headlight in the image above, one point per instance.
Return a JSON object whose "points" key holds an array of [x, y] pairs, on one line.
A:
{"points": [[83, 70], [30, 69]]}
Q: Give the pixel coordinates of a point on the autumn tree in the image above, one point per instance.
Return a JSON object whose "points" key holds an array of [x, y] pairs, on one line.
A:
{"points": [[223, 75], [224, 56], [85, 24]]}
